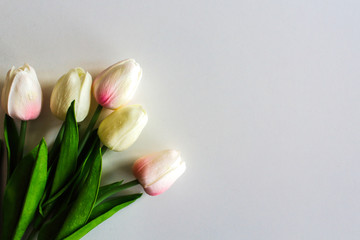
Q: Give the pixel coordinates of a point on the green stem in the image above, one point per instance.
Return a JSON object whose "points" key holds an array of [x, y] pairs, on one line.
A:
{"points": [[130, 184], [112, 191], [90, 127], [21, 141], [103, 150]]}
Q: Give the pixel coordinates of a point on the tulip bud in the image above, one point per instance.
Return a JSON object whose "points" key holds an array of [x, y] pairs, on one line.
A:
{"points": [[21, 95], [158, 171], [74, 85], [120, 129], [116, 85]]}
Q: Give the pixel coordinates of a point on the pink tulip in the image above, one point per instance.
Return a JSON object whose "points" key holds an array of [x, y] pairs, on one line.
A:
{"points": [[116, 85], [158, 171], [22, 96]]}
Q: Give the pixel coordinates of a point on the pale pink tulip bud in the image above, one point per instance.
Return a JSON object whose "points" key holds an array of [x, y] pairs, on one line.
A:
{"points": [[116, 85], [21, 95], [158, 171]]}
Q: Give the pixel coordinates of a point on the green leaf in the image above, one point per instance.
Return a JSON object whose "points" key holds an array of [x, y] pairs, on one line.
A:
{"points": [[111, 189], [66, 164], [14, 195], [58, 200], [74, 181], [50, 228], [103, 212], [89, 144], [23, 193], [35, 191], [105, 190], [109, 204], [85, 201], [11, 137], [85, 167], [79, 209]]}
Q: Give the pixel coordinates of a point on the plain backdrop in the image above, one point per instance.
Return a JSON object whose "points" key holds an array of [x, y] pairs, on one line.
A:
{"points": [[261, 97]]}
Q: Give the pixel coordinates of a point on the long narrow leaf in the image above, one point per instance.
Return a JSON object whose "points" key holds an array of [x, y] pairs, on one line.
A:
{"points": [[84, 203], [35, 191], [50, 228], [19, 192], [109, 204], [104, 190], [104, 212], [66, 164], [76, 206], [111, 189], [75, 178]]}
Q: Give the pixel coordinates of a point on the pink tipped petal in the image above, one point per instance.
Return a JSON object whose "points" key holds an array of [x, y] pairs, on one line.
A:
{"points": [[104, 98], [166, 181], [32, 112], [157, 172], [116, 85]]}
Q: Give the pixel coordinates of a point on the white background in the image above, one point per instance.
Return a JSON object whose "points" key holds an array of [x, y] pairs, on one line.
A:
{"points": [[261, 97]]}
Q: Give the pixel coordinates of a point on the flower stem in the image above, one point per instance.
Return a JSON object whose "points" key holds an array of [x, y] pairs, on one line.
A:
{"points": [[131, 184], [90, 127], [103, 150], [21, 141]]}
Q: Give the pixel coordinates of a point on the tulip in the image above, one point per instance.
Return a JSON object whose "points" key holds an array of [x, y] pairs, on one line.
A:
{"points": [[158, 171], [74, 85], [116, 85], [21, 95], [121, 128]]}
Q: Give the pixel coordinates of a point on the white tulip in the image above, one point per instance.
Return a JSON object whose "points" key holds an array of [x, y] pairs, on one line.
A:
{"points": [[116, 85], [21, 95], [120, 129], [158, 171], [74, 85]]}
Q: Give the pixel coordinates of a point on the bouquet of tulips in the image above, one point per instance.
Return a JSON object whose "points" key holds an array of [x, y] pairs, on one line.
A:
{"points": [[54, 192]]}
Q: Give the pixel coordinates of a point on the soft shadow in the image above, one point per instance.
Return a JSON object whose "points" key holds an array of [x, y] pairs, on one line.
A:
{"points": [[114, 168], [3, 167], [3, 164]]}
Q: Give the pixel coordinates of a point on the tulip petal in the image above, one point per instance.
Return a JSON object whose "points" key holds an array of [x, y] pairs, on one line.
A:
{"points": [[64, 92], [165, 182], [116, 85], [24, 96], [120, 129], [74, 85], [157, 172], [83, 106], [6, 89]]}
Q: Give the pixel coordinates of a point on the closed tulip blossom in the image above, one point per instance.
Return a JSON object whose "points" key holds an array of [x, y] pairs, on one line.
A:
{"points": [[74, 85], [21, 95], [158, 171], [120, 129], [116, 85]]}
